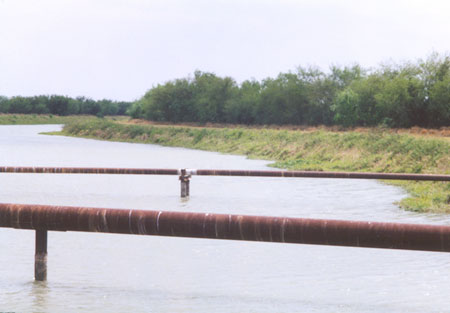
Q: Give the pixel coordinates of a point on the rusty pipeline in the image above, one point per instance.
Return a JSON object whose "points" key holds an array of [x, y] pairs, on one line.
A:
{"points": [[227, 226], [323, 174], [88, 170], [217, 172]]}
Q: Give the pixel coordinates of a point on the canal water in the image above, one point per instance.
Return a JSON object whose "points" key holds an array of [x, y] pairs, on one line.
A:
{"points": [[124, 273]]}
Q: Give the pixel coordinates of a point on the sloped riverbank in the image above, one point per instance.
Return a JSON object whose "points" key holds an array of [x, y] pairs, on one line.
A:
{"points": [[367, 150]]}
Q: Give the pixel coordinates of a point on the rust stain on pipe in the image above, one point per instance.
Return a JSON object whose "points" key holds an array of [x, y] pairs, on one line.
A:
{"points": [[215, 172], [227, 226]]}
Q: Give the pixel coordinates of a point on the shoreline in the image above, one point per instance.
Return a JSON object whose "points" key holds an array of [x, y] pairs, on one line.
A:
{"points": [[414, 150], [319, 149]]}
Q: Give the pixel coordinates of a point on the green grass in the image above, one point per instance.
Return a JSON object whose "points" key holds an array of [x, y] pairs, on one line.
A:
{"points": [[321, 150]]}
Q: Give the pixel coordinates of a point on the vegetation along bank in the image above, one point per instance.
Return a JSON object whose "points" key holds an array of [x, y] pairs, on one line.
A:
{"points": [[33, 119], [62, 105], [362, 150], [391, 95]]}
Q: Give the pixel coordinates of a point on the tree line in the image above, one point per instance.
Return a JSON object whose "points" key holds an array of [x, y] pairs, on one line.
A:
{"points": [[393, 95], [62, 105]]}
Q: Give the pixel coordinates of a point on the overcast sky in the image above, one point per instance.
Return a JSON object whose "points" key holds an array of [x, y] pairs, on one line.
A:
{"points": [[118, 49]]}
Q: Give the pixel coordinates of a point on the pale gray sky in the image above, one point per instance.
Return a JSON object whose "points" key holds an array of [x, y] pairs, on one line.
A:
{"points": [[118, 49]]}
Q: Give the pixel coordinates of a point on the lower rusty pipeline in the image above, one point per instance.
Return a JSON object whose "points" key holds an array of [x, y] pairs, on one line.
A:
{"points": [[227, 226]]}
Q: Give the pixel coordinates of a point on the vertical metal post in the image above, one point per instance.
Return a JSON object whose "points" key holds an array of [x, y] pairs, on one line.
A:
{"points": [[40, 257], [184, 180]]}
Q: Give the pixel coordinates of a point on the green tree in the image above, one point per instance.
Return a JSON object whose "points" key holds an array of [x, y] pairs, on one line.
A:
{"points": [[169, 102], [4, 104], [320, 90], [73, 107], [241, 108], [439, 103], [347, 108], [108, 107], [210, 95], [58, 105], [123, 107], [136, 110], [283, 100], [20, 105], [434, 73], [344, 77], [399, 103], [397, 95]]}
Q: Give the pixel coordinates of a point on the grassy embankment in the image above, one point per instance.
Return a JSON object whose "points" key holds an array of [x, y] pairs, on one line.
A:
{"points": [[369, 150]]}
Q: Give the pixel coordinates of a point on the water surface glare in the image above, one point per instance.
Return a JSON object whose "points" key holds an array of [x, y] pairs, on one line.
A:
{"points": [[123, 273]]}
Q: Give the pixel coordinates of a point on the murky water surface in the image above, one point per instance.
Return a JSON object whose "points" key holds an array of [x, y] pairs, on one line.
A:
{"points": [[122, 273]]}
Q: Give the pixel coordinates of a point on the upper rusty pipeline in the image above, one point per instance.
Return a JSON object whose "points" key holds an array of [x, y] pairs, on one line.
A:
{"points": [[319, 174], [88, 170], [161, 171], [227, 226]]}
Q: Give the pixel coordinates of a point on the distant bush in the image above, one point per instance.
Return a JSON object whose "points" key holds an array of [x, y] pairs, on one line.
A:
{"points": [[62, 105]]}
